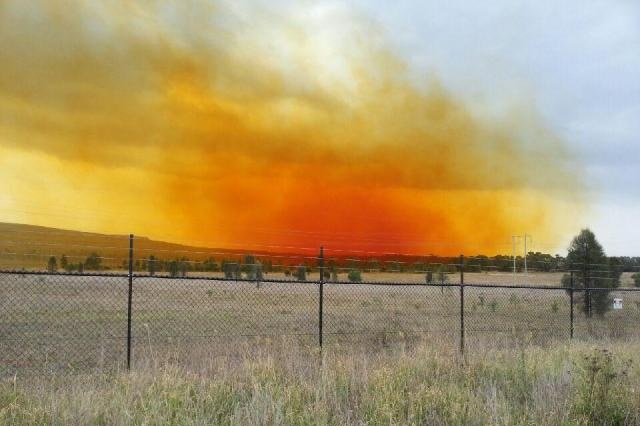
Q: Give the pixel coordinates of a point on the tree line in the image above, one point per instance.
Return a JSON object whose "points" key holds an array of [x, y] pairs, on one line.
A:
{"points": [[586, 267]]}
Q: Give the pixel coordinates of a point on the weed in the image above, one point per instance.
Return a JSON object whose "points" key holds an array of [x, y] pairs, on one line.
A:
{"points": [[599, 398]]}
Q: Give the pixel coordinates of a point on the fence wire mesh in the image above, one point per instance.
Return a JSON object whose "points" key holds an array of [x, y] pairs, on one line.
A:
{"points": [[62, 322], [386, 312], [79, 322], [193, 313]]}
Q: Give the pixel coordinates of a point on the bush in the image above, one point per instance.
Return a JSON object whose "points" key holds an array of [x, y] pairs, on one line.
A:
{"points": [[231, 270], [636, 279], [52, 264], [599, 398], [429, 277], [93, 262], [254, 272], [301, 273], [173, 268], [152, 266], [355, 275]]}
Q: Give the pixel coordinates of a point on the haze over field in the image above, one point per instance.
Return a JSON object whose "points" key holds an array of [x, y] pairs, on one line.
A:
{"points": [[286, 123]]}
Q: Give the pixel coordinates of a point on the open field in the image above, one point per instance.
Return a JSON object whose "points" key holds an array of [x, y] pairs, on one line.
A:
{"points": [[78, 322], [284, 383]]}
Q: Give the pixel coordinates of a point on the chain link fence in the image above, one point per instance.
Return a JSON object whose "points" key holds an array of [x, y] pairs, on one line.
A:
{"points": [[82, 322]]}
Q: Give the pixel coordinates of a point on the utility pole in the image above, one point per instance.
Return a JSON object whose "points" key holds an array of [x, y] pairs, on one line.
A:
{"points": [[525, 253], [513, 251], [513, 255]]}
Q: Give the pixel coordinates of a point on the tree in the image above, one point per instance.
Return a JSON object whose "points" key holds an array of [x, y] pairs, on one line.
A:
{"points": [[440, 275], [231, 270], [429, 276], [636, 279], [250, 266], [253, 269], [326, 274], [173, 268], [151, 265], [591, 269], [210, 265], [93, 262], [64, 262], [52, 264], [183, 266]]}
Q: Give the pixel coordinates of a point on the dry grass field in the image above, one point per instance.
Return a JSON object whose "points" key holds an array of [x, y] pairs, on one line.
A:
{"points": [[79, 323], [238, 353], [281, 382]]}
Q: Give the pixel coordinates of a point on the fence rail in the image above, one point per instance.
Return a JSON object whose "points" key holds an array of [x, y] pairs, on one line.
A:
{"points": [[79, 321]]}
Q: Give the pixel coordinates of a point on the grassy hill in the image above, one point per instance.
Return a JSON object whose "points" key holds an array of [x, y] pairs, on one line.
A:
{"points": [[30, 247]]}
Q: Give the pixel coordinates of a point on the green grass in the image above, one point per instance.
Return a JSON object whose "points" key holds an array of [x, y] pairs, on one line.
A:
{"points": [[281, 383]]}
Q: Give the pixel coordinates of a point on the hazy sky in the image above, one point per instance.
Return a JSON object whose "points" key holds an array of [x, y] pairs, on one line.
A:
{"points": [[410, 126], [577, 61]]}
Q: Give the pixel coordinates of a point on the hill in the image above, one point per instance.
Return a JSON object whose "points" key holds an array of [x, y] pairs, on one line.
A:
{"points": [[30, 247]]}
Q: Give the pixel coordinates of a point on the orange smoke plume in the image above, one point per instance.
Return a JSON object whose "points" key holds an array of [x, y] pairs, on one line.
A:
{"points": [[233, 125]]}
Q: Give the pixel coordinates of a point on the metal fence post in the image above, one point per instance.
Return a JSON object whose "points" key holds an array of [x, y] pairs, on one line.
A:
{"points": [[571, 308], [321, 296], [462, 304], [129, 301]]}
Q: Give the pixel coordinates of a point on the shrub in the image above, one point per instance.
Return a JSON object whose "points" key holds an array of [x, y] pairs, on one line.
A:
{"points": [[355, 275], [173, 268], [231, 270], [636, 279], [152, 265], [93, 262], [441, 275], [301, 273], [64, 262], [429, 277], [249, 267], [599, 398], [52, 265], [254, 272]]}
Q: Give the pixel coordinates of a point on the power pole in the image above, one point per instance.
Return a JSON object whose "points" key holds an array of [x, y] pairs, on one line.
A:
{"points": [[513, 255], [525, 254], [513, 251]]}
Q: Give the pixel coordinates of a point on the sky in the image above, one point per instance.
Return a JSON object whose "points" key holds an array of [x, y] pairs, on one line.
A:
{"points": [[416, 127]]}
